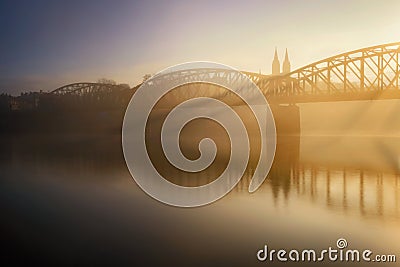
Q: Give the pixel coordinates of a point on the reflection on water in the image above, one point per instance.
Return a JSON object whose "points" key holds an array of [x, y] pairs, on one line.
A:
{"points": [[372, 194], [351, 173], [359, 187], [71, 199]]}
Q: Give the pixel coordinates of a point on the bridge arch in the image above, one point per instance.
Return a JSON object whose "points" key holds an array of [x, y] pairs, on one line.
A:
{"points": [[367, 73], [362, 74], [85, 88]]}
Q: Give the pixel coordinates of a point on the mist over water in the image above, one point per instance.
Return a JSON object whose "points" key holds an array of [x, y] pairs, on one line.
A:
{"points": [[357, 118], [71, 199]]}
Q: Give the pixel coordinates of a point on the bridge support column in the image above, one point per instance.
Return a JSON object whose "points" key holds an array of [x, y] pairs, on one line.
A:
{"points": [[287, 119]]}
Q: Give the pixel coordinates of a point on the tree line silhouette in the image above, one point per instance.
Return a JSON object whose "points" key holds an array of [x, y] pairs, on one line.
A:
{"points": [[100, 110]]}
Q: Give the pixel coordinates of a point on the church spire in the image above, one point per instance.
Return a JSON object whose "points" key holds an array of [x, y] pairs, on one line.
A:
{"points": [[286, 63], [276, 66]]}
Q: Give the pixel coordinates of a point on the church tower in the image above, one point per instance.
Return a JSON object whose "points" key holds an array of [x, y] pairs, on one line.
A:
{"points": [[286, 64], [276, 66]]}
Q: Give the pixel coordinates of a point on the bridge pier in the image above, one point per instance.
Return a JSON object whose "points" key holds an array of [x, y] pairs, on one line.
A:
{"points": [[287, 119]]}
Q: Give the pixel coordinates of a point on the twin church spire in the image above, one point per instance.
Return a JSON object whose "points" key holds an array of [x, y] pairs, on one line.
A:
{"points": [[276, 66]]}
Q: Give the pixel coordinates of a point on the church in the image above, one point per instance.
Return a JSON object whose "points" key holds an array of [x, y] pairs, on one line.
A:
{"points": [[276, 66]]}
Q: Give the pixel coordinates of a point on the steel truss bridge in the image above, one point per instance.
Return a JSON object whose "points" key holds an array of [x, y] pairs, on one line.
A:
{"points": [[84, 88], [364, 74]]}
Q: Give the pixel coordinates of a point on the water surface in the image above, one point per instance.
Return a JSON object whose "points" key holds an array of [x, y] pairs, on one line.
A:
{"points": [[69, 199]]}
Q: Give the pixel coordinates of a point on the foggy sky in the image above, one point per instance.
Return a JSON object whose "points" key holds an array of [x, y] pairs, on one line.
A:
{"points": [[46, 44]]}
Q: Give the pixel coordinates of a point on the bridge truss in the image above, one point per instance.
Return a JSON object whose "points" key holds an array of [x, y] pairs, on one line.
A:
{"points": [[368, 73], [363, 74], [84, 89]]}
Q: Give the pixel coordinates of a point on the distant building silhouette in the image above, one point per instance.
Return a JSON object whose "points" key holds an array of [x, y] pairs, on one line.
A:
{"points": [[276, 66], [286, 63]]}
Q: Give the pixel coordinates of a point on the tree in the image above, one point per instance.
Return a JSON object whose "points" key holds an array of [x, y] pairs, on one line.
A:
{"points": [[146, 77], [106, 81]]}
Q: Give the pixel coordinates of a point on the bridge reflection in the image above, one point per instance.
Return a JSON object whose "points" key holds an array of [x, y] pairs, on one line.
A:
{"points": [[356, 188], [366, 192], [371, 192]]}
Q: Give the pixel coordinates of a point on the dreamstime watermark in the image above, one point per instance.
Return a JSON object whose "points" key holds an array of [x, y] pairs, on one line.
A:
{"points": [[339, 253], [147, 96]]}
